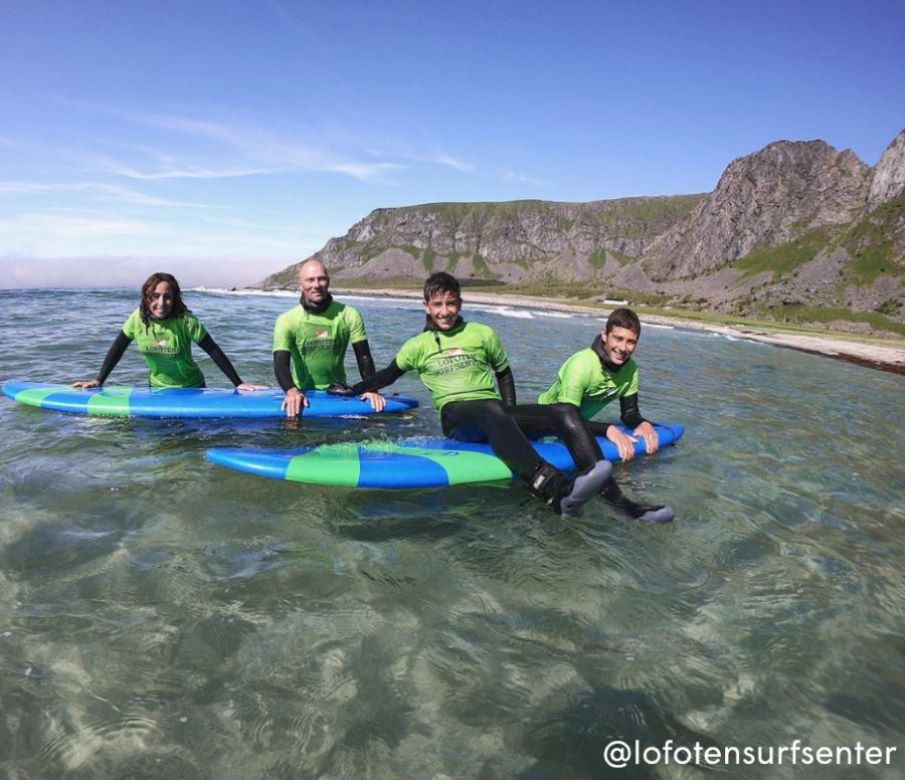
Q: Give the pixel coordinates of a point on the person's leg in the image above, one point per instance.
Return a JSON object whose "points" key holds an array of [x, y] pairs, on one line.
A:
{"points": [[613, 495], [563, 421], [578, 434], [464, 419]]}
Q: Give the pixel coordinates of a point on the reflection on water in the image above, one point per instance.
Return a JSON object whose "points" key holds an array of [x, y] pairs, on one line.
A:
{"points": [[161, 617]]}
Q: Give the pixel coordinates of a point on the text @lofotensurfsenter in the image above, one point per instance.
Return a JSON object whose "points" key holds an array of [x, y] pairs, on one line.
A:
{"points": [[620, 754]]}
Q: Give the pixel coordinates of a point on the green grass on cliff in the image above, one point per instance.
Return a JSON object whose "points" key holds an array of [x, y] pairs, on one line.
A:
{"points": [[801, 314], [284, 277], [869, 242], [785, 258]]}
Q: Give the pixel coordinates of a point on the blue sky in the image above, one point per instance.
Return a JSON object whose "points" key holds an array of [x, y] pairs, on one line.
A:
{"points": [[223, 140]]}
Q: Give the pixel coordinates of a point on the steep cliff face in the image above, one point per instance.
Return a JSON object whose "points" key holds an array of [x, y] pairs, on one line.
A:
{"points": [[889, 176], [765, 199], [510, 242], [792, 226]]}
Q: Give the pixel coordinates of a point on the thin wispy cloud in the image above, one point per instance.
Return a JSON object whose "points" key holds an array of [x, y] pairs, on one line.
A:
{"points": [[24, 269], [266, 152], [455, 163], [188, 172], [443, 159], [246, 240], [96, 191], [259, 151], [54, 225]]}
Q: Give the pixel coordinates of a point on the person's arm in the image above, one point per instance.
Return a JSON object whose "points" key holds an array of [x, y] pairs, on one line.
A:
{"points": [[114, 354], [366, 369], [381, 379], [224, 364], [295, 399], [363, 357], [506, 383], [631, 416]]}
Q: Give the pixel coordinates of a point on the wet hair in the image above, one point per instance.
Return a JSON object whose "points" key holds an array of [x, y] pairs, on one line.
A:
{"points": [[623, 318], [441, 282], [179, 307]]}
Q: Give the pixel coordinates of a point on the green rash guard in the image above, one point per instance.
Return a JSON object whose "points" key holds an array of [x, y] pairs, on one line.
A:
{"points": [[456, 365], [166, 346], [318, 342], [584, 382]]}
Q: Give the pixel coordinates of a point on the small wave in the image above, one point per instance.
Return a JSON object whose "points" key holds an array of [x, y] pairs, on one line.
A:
{"points": [[503, 310], [559, 315], [245, 292]]}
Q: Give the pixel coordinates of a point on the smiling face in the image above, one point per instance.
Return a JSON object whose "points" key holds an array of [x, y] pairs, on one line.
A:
{"points": [[619, 344], [160, 300], [314, 281], [443, 309]]}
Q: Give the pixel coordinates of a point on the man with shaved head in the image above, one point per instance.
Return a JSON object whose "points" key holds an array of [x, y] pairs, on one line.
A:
{"points": [[310, 342]]}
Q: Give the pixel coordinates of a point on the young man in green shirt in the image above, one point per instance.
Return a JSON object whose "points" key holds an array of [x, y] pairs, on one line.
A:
{"points": [[310, 342], [465, 368], [588, 381]]}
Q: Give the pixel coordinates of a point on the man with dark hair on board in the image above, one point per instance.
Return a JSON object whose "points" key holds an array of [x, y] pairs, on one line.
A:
{"points": [[588, 381], [465, 368], [310, 342]]}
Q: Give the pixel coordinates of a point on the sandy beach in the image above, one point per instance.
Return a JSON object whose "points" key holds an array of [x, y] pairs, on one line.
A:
{"points": [[873, 353]]}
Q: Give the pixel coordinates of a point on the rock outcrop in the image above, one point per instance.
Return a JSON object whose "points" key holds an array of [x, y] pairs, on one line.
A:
{"points": [[765, 199], [889, 176]]}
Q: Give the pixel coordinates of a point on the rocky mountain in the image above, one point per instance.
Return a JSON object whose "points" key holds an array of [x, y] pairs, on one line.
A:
{"points": [[798, 231]]}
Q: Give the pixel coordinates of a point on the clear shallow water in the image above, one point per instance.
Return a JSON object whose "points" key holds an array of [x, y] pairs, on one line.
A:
{"points": [[161, 617]]}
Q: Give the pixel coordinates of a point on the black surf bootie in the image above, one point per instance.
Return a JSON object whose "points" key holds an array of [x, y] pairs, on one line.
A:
{"points": [[648, 514], [568, 496]]}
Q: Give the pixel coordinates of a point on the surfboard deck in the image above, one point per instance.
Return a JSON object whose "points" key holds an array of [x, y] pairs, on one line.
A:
{"points": [[405, 463], [121, 401]]}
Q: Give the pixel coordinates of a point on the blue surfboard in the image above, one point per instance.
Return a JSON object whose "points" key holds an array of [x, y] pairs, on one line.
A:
{"points": [[117, 401], [405, 463]]}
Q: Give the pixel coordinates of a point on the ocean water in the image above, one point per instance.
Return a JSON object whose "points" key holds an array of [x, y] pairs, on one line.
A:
{"points": [[161, 617]]}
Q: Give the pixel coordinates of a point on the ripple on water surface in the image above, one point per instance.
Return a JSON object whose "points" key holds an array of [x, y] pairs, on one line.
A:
{"points": [[163, 617]]}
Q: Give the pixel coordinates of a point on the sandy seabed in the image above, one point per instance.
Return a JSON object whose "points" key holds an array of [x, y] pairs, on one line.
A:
{"points": [[885, 356]]}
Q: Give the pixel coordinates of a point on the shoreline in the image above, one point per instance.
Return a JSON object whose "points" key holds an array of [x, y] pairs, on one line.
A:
{"points": [[887, 357]]}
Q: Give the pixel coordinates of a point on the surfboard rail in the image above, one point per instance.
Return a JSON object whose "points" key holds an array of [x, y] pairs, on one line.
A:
{"points": [[199, 403], [403, 463]]}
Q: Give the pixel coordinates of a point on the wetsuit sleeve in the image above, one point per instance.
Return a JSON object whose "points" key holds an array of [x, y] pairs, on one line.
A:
{"points": [[630, 414], [117, 350], [363, 357], [282, 369], [506, 382], [381, 379], [219, 357]]}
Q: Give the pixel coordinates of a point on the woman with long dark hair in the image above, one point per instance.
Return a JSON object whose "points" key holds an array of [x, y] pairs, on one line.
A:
{"points": [[165, 330]]}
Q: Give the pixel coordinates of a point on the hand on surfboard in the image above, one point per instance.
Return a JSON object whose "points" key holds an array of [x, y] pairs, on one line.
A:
{"points": [[293, 402], [377, 401], [248, 387]]}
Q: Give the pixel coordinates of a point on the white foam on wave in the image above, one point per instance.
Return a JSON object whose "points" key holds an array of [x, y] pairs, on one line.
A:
{"points": [[246, 292], [503, 311], [413, 303], [558, 315]]}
